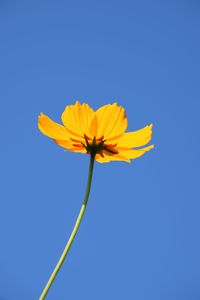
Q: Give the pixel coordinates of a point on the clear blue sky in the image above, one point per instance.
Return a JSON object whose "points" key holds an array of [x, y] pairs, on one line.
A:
{"points": [[140, 235]]}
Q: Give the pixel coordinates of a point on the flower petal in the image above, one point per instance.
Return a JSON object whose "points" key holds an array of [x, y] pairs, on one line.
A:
{"points": [[69, 146], [124, 154], [136, 138], [77, 118], [93, 127], [133, 153], [101, 159], [111, 120], [51, 128], [107, 157]]}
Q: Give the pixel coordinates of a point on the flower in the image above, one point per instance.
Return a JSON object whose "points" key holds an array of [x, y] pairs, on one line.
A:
{"points": [[100, 133]]}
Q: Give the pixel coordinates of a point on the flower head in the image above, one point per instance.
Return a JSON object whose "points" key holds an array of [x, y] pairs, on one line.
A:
{"points": [[100, 133]]}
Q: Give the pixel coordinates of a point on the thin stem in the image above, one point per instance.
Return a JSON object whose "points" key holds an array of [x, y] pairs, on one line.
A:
{"points": [[74, 231]]}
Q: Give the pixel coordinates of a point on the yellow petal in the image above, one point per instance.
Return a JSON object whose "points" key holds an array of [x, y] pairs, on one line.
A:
{"points": [[101, 159], [124, 154], [63, 143], [133, 153], [111, 120], [51, 128], [69, 146], [77, 118], [108, 157], [136, 138], [93, 127]]}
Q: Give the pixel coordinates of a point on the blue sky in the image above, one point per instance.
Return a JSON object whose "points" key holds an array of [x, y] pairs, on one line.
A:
{"points": [[140, 236]]}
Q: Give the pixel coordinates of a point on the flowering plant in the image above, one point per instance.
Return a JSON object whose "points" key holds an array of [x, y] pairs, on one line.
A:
{"points": [[101, 134]]}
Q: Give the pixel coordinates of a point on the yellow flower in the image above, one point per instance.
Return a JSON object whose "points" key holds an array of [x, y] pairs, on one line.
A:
{"points": [[100, 133]]}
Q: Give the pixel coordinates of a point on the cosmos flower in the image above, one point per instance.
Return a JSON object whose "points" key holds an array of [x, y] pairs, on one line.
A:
{"points": [[100, 133]]}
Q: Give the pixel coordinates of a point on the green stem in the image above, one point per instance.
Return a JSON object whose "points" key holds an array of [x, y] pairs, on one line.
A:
{"points": [[74, 231]]}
